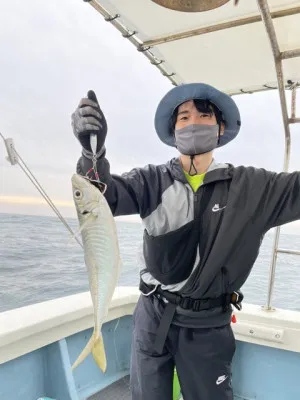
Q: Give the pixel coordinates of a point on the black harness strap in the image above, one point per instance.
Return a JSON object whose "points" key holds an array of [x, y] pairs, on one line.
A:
{"points": [[186, 303], [164, 326]]}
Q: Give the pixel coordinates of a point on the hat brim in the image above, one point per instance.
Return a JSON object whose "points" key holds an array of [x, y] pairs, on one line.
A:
{"points": [[191, 91]]}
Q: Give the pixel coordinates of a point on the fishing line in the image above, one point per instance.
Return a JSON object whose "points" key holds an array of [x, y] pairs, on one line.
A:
{"points": [[15, 158]]}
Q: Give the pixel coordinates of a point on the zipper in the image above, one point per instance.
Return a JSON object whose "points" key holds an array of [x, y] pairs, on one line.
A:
{"points": [[197, 202], [196, 205]]}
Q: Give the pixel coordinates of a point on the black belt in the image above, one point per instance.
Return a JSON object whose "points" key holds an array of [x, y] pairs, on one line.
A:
{"points": [[187, 303]]}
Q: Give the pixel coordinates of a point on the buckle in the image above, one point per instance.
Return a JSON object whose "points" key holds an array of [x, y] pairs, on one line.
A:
{"points": [[236, 299], [185, 302], [196, 305]]}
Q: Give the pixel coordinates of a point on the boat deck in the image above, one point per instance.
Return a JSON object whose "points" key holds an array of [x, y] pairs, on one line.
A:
{"points": [[118, 390]]}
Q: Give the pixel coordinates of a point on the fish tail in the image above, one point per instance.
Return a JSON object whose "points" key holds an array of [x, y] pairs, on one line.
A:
{"points": [[98, 352], [95, 346]]}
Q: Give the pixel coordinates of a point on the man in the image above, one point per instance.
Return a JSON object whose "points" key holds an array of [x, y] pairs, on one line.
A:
{"points": [[204, 223]]}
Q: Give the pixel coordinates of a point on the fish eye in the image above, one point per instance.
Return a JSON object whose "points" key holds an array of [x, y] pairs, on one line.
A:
{"points": [[77, 194]]}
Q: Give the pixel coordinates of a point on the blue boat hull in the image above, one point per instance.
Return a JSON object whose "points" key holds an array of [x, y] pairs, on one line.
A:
{"points": [[259, 372]]}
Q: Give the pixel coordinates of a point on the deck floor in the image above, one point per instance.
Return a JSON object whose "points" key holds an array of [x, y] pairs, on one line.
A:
{"points": [[117, 390]]}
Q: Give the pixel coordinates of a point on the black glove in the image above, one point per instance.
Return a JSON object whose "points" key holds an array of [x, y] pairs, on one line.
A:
{"points": [[88, 118]]}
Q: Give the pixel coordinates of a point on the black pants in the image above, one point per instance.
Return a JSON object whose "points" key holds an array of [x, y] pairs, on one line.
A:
{"points": [[202, 357]]}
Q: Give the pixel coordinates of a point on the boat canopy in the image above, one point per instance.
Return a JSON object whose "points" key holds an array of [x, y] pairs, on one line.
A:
{"points": [[227, 47]]}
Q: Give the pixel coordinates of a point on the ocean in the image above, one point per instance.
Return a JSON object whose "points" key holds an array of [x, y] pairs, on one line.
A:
{"points": [[40, 261]]}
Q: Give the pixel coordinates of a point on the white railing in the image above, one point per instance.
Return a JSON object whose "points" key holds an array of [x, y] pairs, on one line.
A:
{"points": [[29, 328]]}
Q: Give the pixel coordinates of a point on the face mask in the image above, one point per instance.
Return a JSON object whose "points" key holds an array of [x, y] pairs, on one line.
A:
{"points": [[197, 139]]}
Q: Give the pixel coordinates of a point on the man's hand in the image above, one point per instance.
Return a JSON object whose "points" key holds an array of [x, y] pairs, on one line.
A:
{"points": [[88, 118]]}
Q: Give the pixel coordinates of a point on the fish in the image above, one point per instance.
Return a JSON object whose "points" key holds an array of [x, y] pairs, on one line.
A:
{"points": [[102, 258]]}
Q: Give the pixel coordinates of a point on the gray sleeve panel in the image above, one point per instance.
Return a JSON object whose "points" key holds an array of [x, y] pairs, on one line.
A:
{"points": [[138, 191]]}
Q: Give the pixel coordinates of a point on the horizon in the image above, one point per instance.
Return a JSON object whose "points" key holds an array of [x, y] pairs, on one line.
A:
{"points": [[285, 230], [134, 220]]}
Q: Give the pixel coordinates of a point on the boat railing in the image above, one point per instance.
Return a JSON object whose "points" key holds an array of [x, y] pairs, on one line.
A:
{"points": [[287, 121]]}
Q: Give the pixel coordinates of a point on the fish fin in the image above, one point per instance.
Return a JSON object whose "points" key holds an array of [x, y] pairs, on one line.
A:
{"points": [[98, 352], [95, 346]]}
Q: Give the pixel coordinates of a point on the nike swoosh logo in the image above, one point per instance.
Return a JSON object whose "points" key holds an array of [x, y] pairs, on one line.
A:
{"points": [[216, 208], [221, 379]]}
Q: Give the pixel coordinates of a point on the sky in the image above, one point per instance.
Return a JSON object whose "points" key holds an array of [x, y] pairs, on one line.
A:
{"points": [[51, 55]]}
